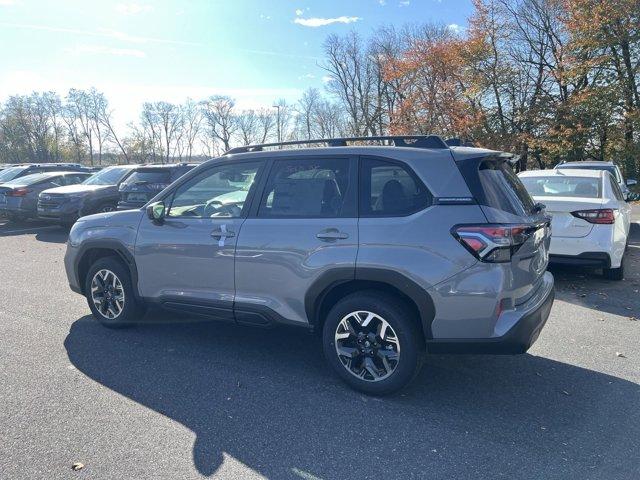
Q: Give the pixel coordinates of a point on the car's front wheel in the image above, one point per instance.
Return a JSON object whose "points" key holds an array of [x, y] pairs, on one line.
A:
{"points": [[373, 342], [110, 295]]}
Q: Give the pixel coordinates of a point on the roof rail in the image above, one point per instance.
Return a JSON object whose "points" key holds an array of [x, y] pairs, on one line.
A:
{"points": [[414, 141]]}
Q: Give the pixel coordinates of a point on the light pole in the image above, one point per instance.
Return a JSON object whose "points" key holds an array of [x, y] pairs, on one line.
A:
{"points": [[277, 107]]}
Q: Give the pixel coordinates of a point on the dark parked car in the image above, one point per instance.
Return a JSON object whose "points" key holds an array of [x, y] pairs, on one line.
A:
{"points": [[19, 197], [147, 181], [99, 193], [23, 170]]}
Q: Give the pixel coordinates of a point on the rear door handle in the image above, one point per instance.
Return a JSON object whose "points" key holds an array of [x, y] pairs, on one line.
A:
{"points": [[332, 234]]}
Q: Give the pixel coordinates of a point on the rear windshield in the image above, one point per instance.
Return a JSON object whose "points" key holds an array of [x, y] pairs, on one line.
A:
{"points": [[30, 179], [11, 173], [500, 188], [149, 177], [562, 186]]}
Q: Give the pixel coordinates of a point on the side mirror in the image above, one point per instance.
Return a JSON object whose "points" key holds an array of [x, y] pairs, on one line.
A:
{"points": [[631, 182], [156, 212]]}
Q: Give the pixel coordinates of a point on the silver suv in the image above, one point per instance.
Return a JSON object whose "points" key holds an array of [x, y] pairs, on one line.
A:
{"points": [[389, 251]]}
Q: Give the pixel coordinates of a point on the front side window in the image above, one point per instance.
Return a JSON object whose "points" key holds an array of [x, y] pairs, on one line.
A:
{"points": [[389, 189], [219, 192], [311, 188]]}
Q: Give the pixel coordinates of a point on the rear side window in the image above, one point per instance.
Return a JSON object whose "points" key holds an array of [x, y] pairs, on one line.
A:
{"points": [[498, 187], [309, 188], [389, 189], [616, 189]]}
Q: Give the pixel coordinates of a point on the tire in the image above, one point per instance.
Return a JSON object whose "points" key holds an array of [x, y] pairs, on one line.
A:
{"points": [[400, 369], [105, 208], [129, 310], [616, 274]]}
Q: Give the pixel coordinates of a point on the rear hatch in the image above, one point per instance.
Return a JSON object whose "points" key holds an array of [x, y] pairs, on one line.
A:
{"points": [[505, 202]]}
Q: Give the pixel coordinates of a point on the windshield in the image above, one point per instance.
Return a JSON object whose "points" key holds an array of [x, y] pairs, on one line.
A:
{"points": [[609, 168], [562, 186], [11, 173], [108, 176]]}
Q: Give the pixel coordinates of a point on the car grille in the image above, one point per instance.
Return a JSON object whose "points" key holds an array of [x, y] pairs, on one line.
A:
{"points": [[50, 201]]}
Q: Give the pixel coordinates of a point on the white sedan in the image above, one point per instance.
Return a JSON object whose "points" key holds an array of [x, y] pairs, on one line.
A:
{"points": [[590, 218]]}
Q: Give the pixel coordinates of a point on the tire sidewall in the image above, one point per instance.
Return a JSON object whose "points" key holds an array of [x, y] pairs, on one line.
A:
{"points": [[400, 319], [130, 311]]}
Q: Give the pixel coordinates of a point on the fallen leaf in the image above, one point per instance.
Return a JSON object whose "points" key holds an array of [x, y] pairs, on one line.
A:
{"points": [[77, 466], [620, 354]]}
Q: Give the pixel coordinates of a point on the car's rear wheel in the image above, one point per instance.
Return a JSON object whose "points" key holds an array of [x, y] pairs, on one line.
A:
{"points": [[110, 295], [373, 342], [614, 273]]}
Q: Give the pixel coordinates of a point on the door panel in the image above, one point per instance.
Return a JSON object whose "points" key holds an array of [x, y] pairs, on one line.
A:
{"points": [[188, 259], [303, 226]]}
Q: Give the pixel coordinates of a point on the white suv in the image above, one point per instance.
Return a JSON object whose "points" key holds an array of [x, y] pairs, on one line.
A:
{"points": [[590, 217]]}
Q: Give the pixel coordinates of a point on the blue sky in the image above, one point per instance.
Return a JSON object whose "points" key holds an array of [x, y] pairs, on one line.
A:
{"points": [[255, 51]]}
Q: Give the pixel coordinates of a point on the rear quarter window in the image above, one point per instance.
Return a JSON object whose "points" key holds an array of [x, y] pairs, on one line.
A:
{"points": [[500, 188]]}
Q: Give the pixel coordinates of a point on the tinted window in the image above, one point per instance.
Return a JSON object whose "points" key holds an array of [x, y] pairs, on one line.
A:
{"points": [[309, 188], [217, 192], [149, 177], [390, 189], [561, 186], [500, 188], [30, 179]]}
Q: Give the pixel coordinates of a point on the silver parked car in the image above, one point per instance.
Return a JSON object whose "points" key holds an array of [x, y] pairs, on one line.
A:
{"points": [[388, 251]]}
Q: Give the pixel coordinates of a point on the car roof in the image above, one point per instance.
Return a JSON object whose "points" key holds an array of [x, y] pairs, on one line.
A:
{"points": [[597, 163], [37, 177], [565, 172]]}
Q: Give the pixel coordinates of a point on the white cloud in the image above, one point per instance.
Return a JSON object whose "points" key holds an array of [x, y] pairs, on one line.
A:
{"points": [[455, 28], [299, 12], [404, 3], [382, 2], [321, 22], [326, 79], [102, 50], [306, 76], [265, 17], [8, 3], [132, 8]]}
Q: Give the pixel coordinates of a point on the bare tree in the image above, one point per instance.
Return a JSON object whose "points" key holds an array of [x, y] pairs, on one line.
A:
{"points": [[220, 118]]}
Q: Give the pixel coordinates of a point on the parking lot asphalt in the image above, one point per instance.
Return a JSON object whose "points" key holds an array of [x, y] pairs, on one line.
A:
{"points": [[173, 398]]}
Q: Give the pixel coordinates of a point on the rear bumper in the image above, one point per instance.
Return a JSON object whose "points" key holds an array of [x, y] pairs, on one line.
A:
{"points": [[585, 259], [531, 318]]}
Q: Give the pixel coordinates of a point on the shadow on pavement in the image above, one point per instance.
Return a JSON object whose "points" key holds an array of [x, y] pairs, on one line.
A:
{"points": [[266, 398], [587, 287]]}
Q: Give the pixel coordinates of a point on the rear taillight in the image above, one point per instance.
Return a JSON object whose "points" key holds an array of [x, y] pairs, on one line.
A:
{"points": [[492, 243], [17, 192], [602, 216]]}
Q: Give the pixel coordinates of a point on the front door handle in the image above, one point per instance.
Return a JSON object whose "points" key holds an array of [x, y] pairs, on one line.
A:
{"points": [[222, 232], [332, 234]]}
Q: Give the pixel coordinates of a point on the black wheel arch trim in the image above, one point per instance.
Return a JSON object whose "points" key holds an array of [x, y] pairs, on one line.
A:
{"points": [[121, 252], [340, 275]]}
